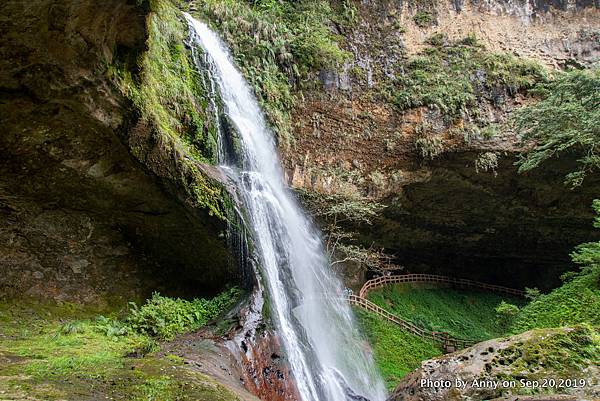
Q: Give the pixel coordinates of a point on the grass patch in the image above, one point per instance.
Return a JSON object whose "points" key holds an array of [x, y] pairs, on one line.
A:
{"points": [[58, 341], [462, 313], [396, 352]]}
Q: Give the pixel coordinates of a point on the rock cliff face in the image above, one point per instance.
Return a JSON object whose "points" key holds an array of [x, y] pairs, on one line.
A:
{"points": [[81, 219], [454, 200]]}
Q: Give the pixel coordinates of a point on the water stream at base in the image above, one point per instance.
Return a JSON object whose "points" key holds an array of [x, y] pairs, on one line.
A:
{"points": [[328, 358]]}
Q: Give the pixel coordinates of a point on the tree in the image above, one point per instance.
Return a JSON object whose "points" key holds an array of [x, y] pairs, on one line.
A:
{"points": [[339, 215], [566, 119]]}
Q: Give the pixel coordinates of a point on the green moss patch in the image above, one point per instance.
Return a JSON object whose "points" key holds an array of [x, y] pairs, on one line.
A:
{"points": [[396, 352], [462, 313], [168, 93], [550, 354], [168, 90]]}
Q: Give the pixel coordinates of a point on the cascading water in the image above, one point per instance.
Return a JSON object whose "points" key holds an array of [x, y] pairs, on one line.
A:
{"points": [[327, 356]]}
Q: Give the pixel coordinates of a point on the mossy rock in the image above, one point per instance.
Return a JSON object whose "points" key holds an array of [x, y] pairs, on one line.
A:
{"points": [[513, 363]]}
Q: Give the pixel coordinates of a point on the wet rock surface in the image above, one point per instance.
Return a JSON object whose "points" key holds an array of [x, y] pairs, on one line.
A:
{"points": [[248, 355]]}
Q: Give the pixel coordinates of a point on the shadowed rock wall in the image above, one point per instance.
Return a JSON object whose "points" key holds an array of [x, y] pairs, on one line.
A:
{"points": [[80, 218]]}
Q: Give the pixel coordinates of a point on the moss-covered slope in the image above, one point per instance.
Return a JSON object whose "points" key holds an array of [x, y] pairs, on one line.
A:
{"points": [[70, 352], [461, 313], [396, 352]]}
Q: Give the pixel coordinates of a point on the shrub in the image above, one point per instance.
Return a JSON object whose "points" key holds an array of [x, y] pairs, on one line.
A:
{"points": [[487, 161], [453, 77], [423, 19], [378, 179], [506, 313], [438, 39], [470, 40], [532, 293], [429, 146], [165, 317]]}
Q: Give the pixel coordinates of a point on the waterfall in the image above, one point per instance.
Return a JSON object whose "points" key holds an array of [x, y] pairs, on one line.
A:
{"points": [[328, 358]]}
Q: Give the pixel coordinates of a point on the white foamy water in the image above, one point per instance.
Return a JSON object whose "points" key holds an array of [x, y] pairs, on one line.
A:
{"points": [[328, 358]]}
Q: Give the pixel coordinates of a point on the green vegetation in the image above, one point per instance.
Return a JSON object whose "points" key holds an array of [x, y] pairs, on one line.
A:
{"points": [[565, 120], [58, 344], [454, 77], [396, 352], [462, 313], [167, 92], [67, 351], [506, 314], [486, 161], [165, 317], [428, 146], [424, 19], [552, 353], [279, 45], [576, 301]]}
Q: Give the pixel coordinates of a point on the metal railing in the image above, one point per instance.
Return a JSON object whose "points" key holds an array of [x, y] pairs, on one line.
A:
{"points": [[448, 342]]}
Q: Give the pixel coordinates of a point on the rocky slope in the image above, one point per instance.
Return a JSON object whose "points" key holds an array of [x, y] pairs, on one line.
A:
{"points": [[548, 361]]}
